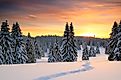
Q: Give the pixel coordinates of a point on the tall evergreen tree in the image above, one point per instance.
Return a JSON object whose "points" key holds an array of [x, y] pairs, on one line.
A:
{"points": [[112, 41], [73, 48], [117, 48], [20, 53], [6, 44], [30, 50], [114, 44], [68, 48]]}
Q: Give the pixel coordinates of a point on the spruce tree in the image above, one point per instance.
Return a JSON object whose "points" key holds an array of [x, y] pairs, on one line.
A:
{"points": [[112, 42], [41, 51], [73, 47], [51, 55], [65, 45], [85, 53], [38, 53], [30, 50], [57, 52], [117, 49], [20, 53], [6, 43], [68, 48], [97, 49], [92, 51]]}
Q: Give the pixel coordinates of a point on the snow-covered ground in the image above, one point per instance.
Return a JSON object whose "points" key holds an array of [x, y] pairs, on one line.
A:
{"points": [[96, 69]]}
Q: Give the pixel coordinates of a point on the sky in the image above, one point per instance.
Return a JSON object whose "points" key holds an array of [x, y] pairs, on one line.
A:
{"points": [[43, 17]]}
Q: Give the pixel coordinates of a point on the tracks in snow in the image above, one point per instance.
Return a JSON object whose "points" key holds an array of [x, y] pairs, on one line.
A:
{"points": [[85, 67]]}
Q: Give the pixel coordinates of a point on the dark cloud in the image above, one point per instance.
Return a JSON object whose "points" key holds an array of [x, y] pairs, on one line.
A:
{"points": [[12, 8]]}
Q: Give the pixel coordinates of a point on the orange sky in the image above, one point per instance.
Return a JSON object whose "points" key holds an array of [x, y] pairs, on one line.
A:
{"points": [[43, 17]]}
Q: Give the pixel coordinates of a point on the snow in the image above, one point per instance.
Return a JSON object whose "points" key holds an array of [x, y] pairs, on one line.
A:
{"points": [[98, 68]]}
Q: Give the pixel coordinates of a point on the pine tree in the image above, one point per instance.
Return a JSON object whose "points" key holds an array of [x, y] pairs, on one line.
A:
{"points": [[68, 48], [6, 44], [92, 51], [112, 42], [37, 50], [85, 53], [20, 53], [73, 44], [65, 45], [51, 55], [117, 49], [30, 50], [42, 51], [57, 52], [97, 49]]}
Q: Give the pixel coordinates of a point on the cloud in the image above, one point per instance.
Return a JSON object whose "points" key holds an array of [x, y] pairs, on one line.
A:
{"points": [[51, 13]]}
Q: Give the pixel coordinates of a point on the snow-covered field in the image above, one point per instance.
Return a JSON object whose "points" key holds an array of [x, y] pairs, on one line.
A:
{"points": [[96, 69]]}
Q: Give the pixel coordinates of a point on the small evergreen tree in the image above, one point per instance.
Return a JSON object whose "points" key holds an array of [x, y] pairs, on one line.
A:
{"points": [[51, 55], [42, 51], [20, 53], [92, 52], [6, 43], [85, 53], [30, 50], [37, 50], [57, 52], [97, 49]]}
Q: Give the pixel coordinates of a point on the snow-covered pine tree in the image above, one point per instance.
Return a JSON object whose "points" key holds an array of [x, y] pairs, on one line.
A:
{"points": [[41, 51], [112, 42], [73, 47], [117, 49], [30, 50], [20, 53], [68, 48], [37, 50], [57, 52], [51, 54], [6, 43], [97, 49], [85, 53], [65, 45], [92, 51]]}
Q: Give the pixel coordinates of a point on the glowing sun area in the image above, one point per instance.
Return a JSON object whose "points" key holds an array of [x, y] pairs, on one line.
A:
{"points": [[88, 35]]}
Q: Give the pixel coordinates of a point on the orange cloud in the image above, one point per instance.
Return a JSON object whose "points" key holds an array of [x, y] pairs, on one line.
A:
{"points": [[49, 17]]}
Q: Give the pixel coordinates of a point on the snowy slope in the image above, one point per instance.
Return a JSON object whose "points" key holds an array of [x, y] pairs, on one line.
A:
{"points": [[96, 69]]}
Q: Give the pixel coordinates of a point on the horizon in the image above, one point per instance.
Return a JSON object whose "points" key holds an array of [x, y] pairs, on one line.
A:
{"points": [[43, 17]]}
